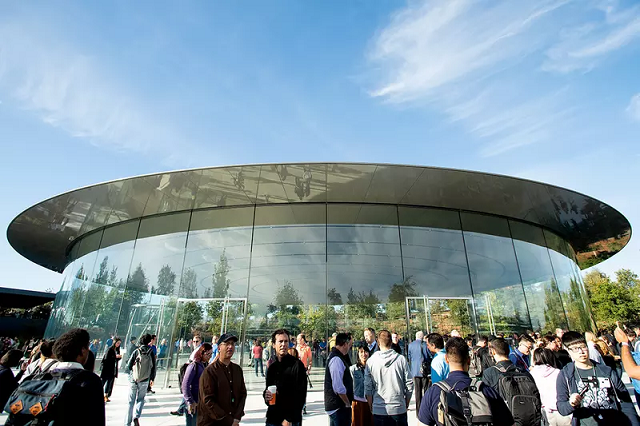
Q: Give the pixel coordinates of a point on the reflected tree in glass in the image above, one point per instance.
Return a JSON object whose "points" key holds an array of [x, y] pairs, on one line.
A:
{"points": [[166, 281]]}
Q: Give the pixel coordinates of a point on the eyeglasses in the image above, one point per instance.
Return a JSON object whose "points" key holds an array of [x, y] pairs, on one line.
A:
{"points": [[576, 349]]}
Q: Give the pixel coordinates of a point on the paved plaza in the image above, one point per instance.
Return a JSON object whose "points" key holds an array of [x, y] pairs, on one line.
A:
{"points": [[158, 405]]}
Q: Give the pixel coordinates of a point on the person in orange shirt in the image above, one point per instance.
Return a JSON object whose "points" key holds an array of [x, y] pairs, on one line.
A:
{"points": [[305, 355]]}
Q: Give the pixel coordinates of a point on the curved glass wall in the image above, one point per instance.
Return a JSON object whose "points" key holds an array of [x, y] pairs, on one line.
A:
{"points": [[316, 269]]}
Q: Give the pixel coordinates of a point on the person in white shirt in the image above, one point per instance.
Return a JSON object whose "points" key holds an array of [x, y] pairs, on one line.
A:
{"points": [[43, 363]]}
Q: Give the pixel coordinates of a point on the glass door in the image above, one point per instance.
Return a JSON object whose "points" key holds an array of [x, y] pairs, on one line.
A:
{"points": [[417, 312], [208, 318]]}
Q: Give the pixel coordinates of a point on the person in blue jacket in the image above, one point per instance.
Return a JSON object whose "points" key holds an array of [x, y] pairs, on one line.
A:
{"points": [[592, 392]]}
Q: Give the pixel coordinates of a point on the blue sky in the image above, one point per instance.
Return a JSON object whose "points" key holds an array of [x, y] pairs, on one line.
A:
{"points": [[93, 91]]}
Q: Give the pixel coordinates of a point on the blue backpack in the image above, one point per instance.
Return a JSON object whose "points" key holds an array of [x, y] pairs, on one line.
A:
{"points": [[636, 383], [34, 401]]}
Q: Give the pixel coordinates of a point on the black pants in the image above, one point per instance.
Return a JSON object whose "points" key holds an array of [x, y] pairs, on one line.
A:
{"points": [[419, 388], [392, 420]]}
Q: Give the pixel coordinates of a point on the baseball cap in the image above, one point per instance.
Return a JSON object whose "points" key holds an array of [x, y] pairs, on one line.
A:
{"points": [[226, 337]]}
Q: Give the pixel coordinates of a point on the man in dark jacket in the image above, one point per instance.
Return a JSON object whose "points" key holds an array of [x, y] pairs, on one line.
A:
{"points": [[338, 383], [222, 392], [591, 392], [289, 376]]}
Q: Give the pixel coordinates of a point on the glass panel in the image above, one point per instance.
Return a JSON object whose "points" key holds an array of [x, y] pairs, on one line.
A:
{"points": [[81, 280], [57, 321], [540, 286], [569, 283], [365, 281], [288, 272], [497, 287]]}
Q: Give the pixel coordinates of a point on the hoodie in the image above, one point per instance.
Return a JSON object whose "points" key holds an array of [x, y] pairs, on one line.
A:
{"points": [[386, 379], [546, 377]]}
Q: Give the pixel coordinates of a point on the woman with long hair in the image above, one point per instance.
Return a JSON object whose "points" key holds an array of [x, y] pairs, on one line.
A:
{"points": [[360, 411], [110, 367], [191, 381], [545, 371]]}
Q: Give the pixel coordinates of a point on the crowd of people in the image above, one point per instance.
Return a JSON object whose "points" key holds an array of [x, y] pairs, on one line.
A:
{"points": [[569, 378]]}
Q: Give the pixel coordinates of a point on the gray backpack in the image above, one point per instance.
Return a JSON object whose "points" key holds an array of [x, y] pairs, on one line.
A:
{"points": [[142, 366], [464, 407]]}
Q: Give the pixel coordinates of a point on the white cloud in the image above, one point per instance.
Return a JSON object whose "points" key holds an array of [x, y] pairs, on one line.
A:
{"points": [[76, 93], [585, 46], [633, 109], [434, 44], [480, 63]]}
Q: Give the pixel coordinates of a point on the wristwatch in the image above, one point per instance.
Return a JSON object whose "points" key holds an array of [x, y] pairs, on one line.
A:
{"points": [[625, 344]]}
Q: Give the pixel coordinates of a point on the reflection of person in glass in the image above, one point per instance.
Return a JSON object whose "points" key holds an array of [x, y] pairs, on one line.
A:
{"points": [[338, 385], [288, 374], [370, 340]]}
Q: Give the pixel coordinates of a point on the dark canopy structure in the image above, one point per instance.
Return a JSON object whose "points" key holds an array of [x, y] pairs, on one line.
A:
{"points": [[45, 232]]}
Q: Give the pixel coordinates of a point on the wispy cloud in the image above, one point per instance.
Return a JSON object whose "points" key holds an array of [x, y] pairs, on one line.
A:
{"points": [[633, 109], [430, 45], [75, 92], [583, 47], [480, 63]]}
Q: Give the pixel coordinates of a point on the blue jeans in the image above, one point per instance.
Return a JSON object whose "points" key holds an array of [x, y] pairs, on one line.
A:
{"points": [[256, 362], [391, 420], [192, 419], [342, 417], [137, 392]]}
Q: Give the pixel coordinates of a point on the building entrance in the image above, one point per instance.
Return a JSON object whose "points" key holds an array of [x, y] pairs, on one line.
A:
{"points": [[440, 315], [213, 317]]}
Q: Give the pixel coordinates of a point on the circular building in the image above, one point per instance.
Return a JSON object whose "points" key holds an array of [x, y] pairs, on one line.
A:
{"points": [[317, 248]]}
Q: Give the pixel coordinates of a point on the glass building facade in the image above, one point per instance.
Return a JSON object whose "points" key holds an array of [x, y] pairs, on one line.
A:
{"points": [[316, 248], [317, 269]]}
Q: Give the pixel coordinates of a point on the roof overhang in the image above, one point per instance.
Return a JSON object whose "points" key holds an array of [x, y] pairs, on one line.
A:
{"points": [[43, 232]]}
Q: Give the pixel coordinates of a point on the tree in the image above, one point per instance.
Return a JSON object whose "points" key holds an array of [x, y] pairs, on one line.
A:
{"points": [[189, 316], [334, 297], [188, 284], [166, 281], [138, 280], [627, 278], [612, 301], [219, 279], [102, 276]]}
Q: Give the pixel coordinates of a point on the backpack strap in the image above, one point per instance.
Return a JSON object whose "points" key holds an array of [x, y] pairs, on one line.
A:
{"points": [[388, 363]]}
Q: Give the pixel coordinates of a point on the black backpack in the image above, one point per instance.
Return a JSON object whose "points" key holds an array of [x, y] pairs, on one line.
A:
{"points": [[520, 392], [425, 367], [36, 401], [475, 368], [464, 407], [182, 372]]}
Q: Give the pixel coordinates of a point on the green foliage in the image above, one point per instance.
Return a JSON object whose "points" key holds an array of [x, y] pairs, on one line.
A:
{"points": [[189, 316], [219, 279], [613, 301], [166, 281], [188, 284]]}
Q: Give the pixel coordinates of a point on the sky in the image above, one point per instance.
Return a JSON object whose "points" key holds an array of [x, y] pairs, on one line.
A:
{"points": [[94, 91]]}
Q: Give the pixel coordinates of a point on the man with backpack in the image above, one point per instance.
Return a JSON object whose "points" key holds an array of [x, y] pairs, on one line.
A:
{"points": [[514, 384], [593, 393], [67, 394], [445, 403], [420, 365], [142, 370]]}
